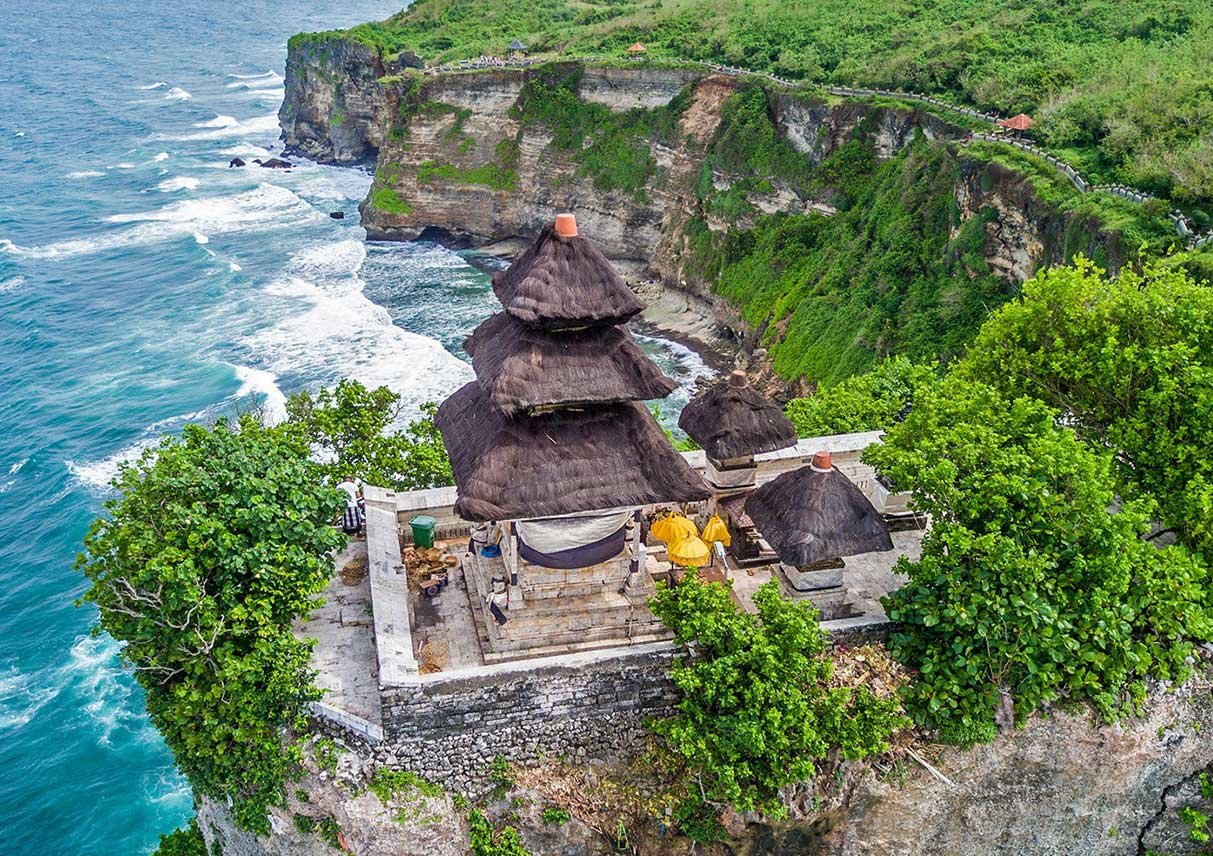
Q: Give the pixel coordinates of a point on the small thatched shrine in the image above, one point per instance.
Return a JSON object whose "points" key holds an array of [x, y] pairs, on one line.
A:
{"points": [[814, 517], [732, 422], [553, 453]]}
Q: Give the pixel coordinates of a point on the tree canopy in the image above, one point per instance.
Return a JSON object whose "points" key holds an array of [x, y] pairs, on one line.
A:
{"points": [[1130, 360], [757, 709], [1030, 589], [351, 430], [218, 541], [866, 402]]}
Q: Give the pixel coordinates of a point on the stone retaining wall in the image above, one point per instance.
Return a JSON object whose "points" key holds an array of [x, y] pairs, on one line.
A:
{"points": [[449, 728]]}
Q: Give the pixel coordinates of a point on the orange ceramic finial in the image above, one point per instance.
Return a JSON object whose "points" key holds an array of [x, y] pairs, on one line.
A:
{"points": [[566, 225], [821, 462]]}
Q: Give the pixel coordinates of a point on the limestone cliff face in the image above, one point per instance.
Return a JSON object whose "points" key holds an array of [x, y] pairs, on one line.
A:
{"points": [[339, 100], [1061, 786]]}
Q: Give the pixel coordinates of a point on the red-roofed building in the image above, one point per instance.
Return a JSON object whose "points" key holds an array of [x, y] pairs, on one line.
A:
{"points": [[1022, 122]]}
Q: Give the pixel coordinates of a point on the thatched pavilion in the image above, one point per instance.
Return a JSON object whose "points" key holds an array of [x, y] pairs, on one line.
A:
{"points": [[732, 422], [814, 517], [551, 441]]}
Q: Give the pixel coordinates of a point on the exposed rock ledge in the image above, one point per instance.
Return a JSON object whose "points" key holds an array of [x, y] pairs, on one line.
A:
{"points": [[1061, 786]]}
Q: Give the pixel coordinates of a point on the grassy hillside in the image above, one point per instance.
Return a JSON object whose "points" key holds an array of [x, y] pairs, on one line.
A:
{"points": [[1121, 88]]}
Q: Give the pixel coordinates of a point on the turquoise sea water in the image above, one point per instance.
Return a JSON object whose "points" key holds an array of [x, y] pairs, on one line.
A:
{"points": [[144, 284]]}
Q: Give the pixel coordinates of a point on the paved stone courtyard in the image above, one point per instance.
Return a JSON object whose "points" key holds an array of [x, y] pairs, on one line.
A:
{"points": [[345, 640]]}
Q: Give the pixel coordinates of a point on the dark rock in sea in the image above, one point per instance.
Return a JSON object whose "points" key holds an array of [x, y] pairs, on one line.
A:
{"points": [[274, 163], [337, 215], [235, 162]]}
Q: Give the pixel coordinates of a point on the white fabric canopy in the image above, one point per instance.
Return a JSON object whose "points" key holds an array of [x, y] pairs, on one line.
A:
{"points": [[554, 534]]}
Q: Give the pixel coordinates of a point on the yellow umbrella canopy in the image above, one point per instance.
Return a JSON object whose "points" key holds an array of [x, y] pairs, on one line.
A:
{"points": [[690, 552], [715, 530], [673, 528]]}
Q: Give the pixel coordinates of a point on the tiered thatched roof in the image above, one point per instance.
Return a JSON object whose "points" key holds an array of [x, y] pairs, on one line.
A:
{"points": [[563, 282], [551, 426], [815, 513], [731, 419], [521, 368], [564, 462]]}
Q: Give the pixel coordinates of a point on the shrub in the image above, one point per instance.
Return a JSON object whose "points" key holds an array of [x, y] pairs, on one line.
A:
{"points": [[218, 542], [1029, 590], [484, 841], [757, 709], [352, 429], [1130, 360], [186, 841], [866, 402]]}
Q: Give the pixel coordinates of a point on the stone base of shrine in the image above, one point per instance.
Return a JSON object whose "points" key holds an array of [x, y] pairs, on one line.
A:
{"points": [[555, 611]]}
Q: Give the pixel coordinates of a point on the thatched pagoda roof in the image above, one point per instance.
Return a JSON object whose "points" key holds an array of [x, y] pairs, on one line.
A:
{"points": [[731, 419], [565, 462], [564, 281], [815, 513], [521, 368]]}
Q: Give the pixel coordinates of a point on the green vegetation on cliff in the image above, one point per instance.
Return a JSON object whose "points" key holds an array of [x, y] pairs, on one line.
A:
{"points": [[758, 708], [218, 542], [835, 294], [1028, 590], [1118, 89]]}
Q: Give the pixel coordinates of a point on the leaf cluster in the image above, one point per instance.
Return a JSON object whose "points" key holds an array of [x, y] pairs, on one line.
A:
{"points": [[1033, 586], [218, 541], [757, 710], [351, 430]]}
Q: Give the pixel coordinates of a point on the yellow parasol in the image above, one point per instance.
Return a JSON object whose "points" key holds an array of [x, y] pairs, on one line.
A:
{"points": [[673, 528], [690, 552], [715, 530]]}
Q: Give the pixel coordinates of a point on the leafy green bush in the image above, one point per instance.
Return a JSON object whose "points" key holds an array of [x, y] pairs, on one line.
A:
{"points": [[485, 842], [1130, 360], [556, 815], [186, 841], [218, 542], [388, 784], [757, 709], [1029, 590], [352, 429], [866, 402], [490, 175], [386, 199]]}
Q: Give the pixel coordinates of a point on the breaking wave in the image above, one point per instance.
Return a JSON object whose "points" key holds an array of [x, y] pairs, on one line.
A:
{"points": [[340, 332], [177, 94], [267, 206]]}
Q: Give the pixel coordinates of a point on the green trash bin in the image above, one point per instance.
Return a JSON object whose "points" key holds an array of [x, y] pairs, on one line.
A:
{"points": [[423, 530]]}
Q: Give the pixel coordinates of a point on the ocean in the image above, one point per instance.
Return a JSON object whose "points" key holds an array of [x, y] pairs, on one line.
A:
{"points": [[144, 284]]}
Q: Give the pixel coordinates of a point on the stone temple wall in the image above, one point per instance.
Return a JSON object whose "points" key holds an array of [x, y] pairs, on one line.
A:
{"points": [[592, 704]]}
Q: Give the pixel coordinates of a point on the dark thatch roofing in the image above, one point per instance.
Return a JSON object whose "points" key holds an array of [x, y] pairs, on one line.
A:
{"points": [[731, 419], [808, 516], [564, 462], [520, 367], [517, 45], [564, 282]]}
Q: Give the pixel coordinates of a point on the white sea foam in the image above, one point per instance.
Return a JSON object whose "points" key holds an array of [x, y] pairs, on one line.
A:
{"points": [[13, 282], [202, 239], [177, 94], [342, 333], [85, 173], [264, 386], [233, 267], [97, 475], [263, 81], [125, 165], [218, 122], [179, 183], [159, 84], [12, 472], [267, 206], [160, 156], [257, 126], [21, 698]]}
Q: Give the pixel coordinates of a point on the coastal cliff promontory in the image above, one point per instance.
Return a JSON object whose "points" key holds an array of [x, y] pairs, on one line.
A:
{"points": [[691, 179]]}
